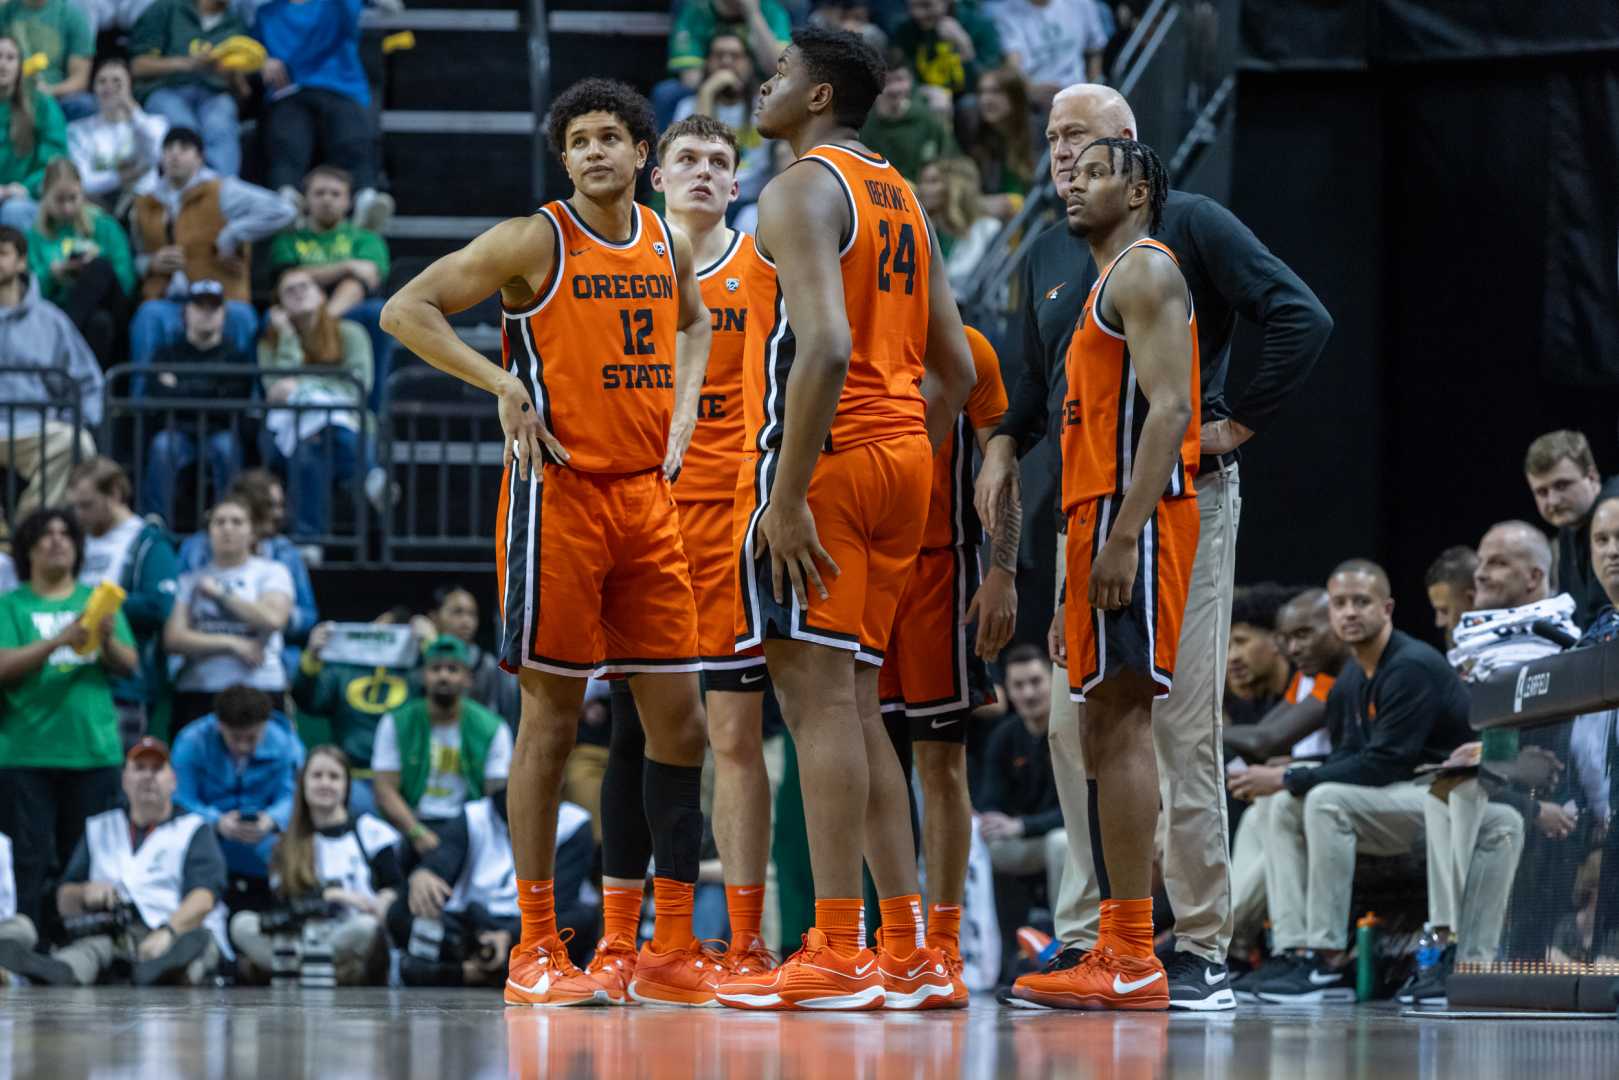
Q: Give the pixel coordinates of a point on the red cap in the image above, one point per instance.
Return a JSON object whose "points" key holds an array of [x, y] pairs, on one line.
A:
{"points": [[149, 747]]}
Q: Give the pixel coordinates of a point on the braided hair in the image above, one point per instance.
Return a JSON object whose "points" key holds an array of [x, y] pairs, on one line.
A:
{"points": [[1127, 155]]}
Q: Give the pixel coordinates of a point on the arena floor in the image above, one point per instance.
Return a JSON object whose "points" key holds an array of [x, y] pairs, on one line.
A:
{"points": [[459, 1035]]}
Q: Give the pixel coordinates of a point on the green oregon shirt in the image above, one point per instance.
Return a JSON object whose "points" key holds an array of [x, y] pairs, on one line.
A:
{"points": [[342, 242], [61, 716], [58, 29]]}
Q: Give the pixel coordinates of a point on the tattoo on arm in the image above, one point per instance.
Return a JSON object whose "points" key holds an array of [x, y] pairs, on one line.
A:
{"points": [[1004, 548]]}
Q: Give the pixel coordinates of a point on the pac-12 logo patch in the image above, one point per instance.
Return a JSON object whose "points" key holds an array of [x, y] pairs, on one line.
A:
{"points": [[732, 284], [657, 247]]}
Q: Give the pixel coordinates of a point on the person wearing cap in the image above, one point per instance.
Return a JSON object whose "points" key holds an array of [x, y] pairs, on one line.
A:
{"points": [[196, 224], [157, 870], [437, 753], [180, 76], [238, 768], [59, 744], [174, 449]]}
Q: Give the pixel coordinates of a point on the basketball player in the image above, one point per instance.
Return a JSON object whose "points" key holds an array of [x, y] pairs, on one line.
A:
{"points": [[833, 502], [697, 159], [1130, 441], [598, 399], [931, 678]]}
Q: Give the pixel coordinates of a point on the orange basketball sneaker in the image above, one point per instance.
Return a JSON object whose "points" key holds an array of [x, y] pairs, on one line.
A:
{"points": [[1102, 980], [686, 977], [542, 975], [612, 967], [954, 964], [919, 981], [815, 977]]}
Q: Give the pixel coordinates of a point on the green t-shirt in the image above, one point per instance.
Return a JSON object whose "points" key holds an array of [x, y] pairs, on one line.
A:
{"points": [[169, 28], [937, 62], [58, 29], [697, 24], [61, 716], [109, 236], [344, 241], [910, 142]]}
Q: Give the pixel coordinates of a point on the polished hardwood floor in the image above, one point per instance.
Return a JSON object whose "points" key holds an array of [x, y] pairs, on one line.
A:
{"points": [[461, 1035]]}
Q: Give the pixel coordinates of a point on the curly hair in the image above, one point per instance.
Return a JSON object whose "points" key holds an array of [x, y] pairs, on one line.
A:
{"points": [[699, 126], [32, 530], [855, 70], [1257, 605], [599, 95]]}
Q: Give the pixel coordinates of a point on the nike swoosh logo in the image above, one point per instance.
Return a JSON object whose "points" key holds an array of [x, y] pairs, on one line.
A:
{"points": [[749, 892], [866, 968], [575, 254], [917, 970], [937, 724], [1318, 979], [1122, 987], [1213, 977], [538, 988], [749, 680]]}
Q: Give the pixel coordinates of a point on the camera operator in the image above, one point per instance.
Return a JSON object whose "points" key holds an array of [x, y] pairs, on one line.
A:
{"points": [[142, 889], [350, 866]]}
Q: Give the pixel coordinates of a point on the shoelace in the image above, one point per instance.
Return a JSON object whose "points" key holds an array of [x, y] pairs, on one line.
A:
{"points": [[604, 956]]}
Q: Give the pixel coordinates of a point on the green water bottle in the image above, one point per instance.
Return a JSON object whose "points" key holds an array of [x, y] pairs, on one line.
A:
{"points": [[1366, 956]]}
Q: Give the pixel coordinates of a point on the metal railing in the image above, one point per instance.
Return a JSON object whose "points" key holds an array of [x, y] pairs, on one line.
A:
{"points": [[215, 435], [26, 428]]}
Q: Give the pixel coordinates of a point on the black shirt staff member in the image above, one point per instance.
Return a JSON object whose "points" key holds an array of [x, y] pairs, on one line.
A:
{"points": [[1230, 273]]}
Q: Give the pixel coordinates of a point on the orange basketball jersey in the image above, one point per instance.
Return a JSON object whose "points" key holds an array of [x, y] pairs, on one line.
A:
{"points": [[952, 521], [709, 471], [596, 348], [1105, 409], [886, 264]]}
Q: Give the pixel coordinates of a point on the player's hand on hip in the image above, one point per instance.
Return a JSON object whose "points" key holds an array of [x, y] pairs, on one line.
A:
{"points": [[1057, 636], [994, 607], [525, 430], [680, 433], [989, 489], [788, 530], [1113, 575]]}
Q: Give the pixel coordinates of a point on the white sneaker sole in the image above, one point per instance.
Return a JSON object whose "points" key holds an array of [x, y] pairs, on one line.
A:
{"points": [[900, 1002], [1219, 1001], [1338, 995], [856, 1000], [753, 1001]]}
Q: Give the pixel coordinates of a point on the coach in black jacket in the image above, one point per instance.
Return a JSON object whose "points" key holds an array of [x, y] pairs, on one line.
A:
{"points": [[1230, 273]]}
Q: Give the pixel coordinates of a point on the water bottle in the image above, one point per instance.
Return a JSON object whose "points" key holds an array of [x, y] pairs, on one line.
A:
{"points": [[1366, 957], [1429, 948]]}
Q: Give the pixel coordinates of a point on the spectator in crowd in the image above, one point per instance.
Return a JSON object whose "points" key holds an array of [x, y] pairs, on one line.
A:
{"points": [[1002, 143], [58, 31], [116, 149], [727, 93], [40, 443], [1056, 43], [1595, 737], [237, 768], [763, 24], [195, 225], [159, 862], [948, 190], [32, 135], [137, 555], [319, 97], [351, 699], [902, 129], [349, 262], [179, 76], [1511, 594], [266, 499], [174, 449], [228, 619], [855, 17], [1257, 670], [8, 574], [1450, 589], [17, 931], [439, 752], [350, 862], [947, 46], [1396, 706], [455, 613], [459, 919], [1563, 478], [114, 15], [80, 256], [59, 747], [307, 353], [1018, 814]]}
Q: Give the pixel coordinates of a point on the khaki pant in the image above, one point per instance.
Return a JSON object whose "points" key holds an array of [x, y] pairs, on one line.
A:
{"points": [[43, 460], [582, 782], [1310, 846], [359, 948], [1192, 837], [89, 957], [1023, 856], [1473, 851], [1248, 904]]}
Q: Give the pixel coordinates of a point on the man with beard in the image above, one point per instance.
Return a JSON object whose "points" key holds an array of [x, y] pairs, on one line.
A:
{"points": [[1562, 476]]}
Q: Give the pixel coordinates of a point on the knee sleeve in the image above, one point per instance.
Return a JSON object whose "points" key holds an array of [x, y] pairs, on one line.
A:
{"points": [[626, 838]]}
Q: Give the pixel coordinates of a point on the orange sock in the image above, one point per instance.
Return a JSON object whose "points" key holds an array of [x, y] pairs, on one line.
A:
{"points": [[535, 903], [1127, 926], [746, 906], [672, 901], [843, 922], [944, 928], [621, 910], [902, 925]]}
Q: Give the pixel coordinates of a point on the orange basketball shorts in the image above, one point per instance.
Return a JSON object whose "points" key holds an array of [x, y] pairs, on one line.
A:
{"points": [[930, 672], [593, 577], [1143, 637], [870, 504], [706, 531]]}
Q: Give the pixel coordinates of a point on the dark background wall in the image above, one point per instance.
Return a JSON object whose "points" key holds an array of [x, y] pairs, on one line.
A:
{"points": [[1450, 194]]}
